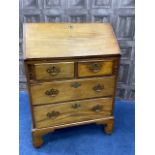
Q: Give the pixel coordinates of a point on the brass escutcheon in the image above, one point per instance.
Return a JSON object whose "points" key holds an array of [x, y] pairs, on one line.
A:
{"points": [[75, 84], [76, 105]]}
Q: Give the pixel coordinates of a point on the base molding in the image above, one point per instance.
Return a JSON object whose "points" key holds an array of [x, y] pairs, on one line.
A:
{"points": [[37, 134]]}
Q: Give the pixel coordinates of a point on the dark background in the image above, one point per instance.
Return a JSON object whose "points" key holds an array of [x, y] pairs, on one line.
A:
{"points": [[120, 13]]}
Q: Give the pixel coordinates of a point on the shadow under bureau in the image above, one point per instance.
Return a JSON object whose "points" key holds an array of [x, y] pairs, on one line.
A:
{"points": [[71, 72]]}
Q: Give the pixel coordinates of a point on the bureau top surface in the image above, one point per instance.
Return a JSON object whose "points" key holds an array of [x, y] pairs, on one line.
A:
{"points": [[55, 40]]}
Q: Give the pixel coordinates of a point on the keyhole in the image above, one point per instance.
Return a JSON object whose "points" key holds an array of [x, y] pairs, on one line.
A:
{"points": [[70, 26]]}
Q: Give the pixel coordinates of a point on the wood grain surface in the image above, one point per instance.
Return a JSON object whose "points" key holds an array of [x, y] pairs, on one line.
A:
{"points": [[68, 40], [68, 112], [72, 90]]}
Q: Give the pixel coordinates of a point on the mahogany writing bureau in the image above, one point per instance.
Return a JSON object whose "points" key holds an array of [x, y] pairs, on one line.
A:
{"points": [[71, 72]]}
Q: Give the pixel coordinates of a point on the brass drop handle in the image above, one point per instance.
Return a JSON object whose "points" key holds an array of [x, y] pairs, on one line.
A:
{"points": [[76, 105], [52, 92], [98, 88], [97, 108], [53, 71], [95, 67], [53, 114]]}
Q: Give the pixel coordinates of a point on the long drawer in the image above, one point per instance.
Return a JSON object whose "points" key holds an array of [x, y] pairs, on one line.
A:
{"points": [[69, 112], [59, 91]]}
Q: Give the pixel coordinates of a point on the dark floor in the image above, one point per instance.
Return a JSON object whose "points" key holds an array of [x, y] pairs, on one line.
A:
{"points": [[81, 140]]}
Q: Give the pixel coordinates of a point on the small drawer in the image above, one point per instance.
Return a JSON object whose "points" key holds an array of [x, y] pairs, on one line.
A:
{"points": [[71, 112], [95, 68], [48, 71], [69, 90]]}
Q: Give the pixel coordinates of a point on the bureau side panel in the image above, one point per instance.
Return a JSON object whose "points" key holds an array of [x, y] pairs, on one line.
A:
{"points": [[29, 92], [116, 69]]}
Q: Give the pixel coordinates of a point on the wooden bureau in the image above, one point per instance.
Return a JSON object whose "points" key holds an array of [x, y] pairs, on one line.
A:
{"points": [[71, 72]]}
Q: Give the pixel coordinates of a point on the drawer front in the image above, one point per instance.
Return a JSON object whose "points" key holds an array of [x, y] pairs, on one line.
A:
{"points": [[59, 91], [95, 68], [47, 71], [69, 112]]}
